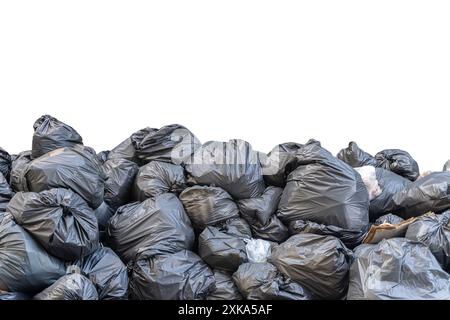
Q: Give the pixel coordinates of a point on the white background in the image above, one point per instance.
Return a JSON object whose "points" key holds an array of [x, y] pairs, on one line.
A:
{"points": [[377, 72]]}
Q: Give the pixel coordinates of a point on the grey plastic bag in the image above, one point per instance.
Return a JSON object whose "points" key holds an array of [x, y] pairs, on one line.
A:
{"points": [[156, 178], [389, 218], [173, 143], [51, 134], [126, 149], [24, 265], [120, 174], [107, 272], [5, 163], [433, 230], [262, 281], [398, 161], [18, 167], [72, 286], [279, 163], [178, 276], [208, 206], [157, 225], [75, 168], [59, 219], [356, 157], [318, 263], [233, 166], [397, 268], [225, 289], [324, 190], [5, 193], [429, 193], [390, 183]]}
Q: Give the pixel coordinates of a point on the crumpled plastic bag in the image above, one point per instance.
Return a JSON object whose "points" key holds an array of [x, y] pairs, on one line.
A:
{"points": [[257, 250], [72, 286], [5, 193], [120, 175], [225, 289], [356, 157], [398, 161], [5, 163], [369, 177], [126, 149], [18, 167]]}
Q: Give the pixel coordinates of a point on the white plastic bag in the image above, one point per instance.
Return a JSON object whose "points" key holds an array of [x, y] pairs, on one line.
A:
{"points": [[369, 177], [258, 250]]}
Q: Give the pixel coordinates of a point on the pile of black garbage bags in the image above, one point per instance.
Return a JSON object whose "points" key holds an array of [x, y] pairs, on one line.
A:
{"points": [[163, 216]]}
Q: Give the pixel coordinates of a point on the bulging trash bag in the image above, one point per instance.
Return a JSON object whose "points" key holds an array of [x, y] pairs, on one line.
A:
{"points": [[324, 190], [173, 143], [318, 263], [434, 231], [6, 296], [233, 166], [390, 184], [59, 219], [369, 177], [389, 218], [355, 157], [72, 286], [157, 178], [279, 163], [262, 281], [120, 174], [107, 272], [430, 193], [263, 207], [397, 268], [178, 276], [258, 250], [24, 265], [447, 166], [5, 163], [5, 193], [351, 238], [51, 134], [260, 214], [398, 161], [221, 250], [157, 225], [225, 289], [18, 167], [75, 168], [126, 149], [208, 206]]}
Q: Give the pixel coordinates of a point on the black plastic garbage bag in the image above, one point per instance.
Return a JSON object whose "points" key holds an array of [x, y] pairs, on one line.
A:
{"points": [[120, 175], [398, 161], [5, 193], [279, 163], [397, 268], [260, 214], [221, 250], [208, 206], [103, 156], [318, 263], [355, 157], [262, 281], [59, 219], [178, 276], [126, 149], [156, 178], [75, 168], [107, 272], [24, 265], [5, 163], [389, 218], [233, 166], [351, 238], [225, 287], [447, 166], [434, 231], [72, 286], [324, 190], [235, 226], [18, 167], [158, 225], [6, 296], [390, 183], [263, 207], [51, 134], [103, 213], [430, 193], [173, 143]]}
